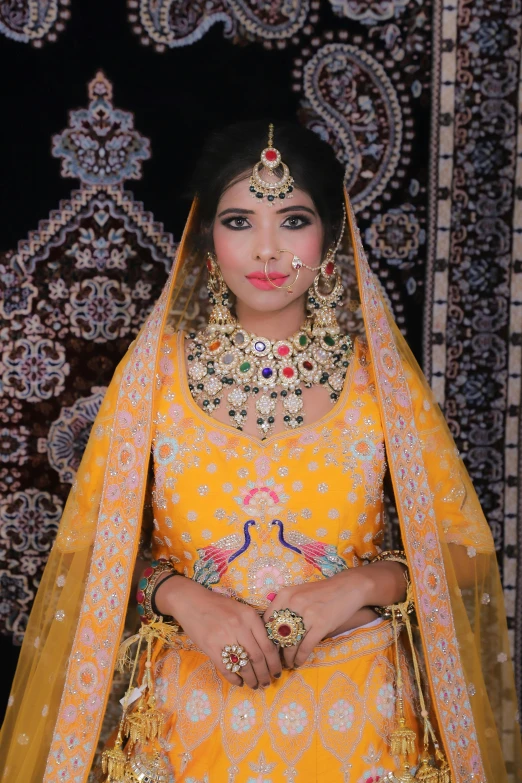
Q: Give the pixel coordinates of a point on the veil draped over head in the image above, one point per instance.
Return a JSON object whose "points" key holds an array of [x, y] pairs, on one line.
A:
{"points": [[66, 665]]}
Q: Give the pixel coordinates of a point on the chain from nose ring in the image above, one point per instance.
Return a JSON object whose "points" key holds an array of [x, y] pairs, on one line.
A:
{"points": [[297, 263]]}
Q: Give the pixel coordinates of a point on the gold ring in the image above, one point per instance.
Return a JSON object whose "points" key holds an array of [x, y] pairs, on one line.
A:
{"points": [[285, 628], [234, 657]]}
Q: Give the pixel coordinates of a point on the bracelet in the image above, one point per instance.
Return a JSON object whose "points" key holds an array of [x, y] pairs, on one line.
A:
{"points": [[396, 556], [146, 586], [158, 584]]}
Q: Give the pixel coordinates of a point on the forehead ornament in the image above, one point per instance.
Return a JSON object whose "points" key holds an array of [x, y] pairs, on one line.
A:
{"points": [[273, 184]]}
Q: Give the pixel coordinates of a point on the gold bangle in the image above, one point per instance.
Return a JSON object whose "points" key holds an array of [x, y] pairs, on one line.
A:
{"points": [[395, 556]]}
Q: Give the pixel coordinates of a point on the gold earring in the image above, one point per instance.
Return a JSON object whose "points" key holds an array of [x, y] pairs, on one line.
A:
{"points": [[326, 292], [323, 297], [220, 318]]}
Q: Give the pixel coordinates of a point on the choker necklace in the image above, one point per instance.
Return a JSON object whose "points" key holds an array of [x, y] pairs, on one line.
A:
{"points": [[255, 366]]}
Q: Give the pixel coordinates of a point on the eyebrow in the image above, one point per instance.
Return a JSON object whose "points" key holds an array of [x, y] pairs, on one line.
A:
{"points": [[239, 211]]}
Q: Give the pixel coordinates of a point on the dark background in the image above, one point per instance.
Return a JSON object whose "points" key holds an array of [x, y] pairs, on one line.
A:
{"points": [[176, 97]]}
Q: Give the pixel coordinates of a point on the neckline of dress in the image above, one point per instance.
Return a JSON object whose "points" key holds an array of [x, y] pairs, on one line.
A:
{"points": [[181, 369]]}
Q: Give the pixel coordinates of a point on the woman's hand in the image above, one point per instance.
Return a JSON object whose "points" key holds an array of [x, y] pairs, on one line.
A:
{"points": [[213, 621], [338, 604]]}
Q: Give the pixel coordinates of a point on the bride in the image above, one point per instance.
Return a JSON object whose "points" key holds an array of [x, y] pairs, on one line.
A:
{"points": [[276, 642]]}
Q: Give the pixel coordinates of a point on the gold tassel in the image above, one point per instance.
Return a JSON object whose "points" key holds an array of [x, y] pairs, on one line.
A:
{"points": [[426, 773], [145, 723], [444, 769], [124, 658], [402, 739], [113, 761]]}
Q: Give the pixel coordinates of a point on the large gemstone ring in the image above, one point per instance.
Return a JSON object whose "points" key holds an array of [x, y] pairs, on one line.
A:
{"points": [[234, 657], [285, 628]]}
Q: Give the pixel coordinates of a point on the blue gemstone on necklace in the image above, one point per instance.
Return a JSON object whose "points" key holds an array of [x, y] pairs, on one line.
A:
{"points": [[266, 372], [259, 346]]}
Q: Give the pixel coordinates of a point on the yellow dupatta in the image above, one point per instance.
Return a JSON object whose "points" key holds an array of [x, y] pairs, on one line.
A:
{"points": [[64, 675]]}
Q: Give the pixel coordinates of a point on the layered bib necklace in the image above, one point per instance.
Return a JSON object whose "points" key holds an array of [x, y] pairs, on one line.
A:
{"points": [[255, 366]]}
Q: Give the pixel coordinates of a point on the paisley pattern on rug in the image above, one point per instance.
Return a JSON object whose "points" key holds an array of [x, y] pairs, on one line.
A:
{"points": [[74, 295], [170, 25], [34, 21]]}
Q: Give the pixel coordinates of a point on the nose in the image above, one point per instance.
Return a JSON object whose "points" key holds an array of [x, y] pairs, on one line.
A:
{"points": [[267, 249]]}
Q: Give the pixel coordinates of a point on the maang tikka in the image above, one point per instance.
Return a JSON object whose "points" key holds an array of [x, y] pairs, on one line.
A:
{"points": [[274, 186]]}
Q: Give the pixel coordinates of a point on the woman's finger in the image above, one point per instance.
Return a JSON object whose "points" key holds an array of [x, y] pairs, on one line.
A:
{"points": [[258, 661], [306, 647], [269, 649]]}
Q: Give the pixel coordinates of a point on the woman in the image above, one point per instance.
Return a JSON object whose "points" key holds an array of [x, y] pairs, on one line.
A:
{"points": [[270, 430]]}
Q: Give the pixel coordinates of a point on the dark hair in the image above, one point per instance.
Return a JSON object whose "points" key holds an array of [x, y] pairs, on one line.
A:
{"points": [[232, 152]]}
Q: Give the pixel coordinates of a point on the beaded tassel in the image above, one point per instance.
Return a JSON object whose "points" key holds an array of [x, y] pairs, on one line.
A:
{"points": [[114, 760], [426, 773], [402, 740], [146, 722], [444, 770], [142, 724]]}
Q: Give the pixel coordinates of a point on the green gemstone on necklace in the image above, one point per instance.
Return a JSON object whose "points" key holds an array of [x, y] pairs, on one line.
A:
{"points": [[329, 340], [303, 339], [244, 367]]}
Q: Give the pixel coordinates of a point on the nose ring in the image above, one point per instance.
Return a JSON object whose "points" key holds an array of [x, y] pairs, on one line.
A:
{"points": [[296, 265]]}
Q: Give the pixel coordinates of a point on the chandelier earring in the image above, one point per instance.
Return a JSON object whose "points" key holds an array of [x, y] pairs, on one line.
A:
{"points": [[221, 319], [326, 292]]}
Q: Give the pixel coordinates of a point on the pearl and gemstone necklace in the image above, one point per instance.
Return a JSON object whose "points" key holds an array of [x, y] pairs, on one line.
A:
{"points": [[254, 366]]}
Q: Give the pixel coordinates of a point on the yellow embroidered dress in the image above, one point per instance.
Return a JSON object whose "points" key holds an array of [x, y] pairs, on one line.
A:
{"points": [[246, 517]]}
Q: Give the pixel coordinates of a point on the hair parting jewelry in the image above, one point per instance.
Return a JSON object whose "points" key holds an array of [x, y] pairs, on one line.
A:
{"points": [[272, 187]]}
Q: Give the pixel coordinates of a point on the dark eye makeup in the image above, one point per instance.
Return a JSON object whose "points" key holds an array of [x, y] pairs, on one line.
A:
{"points": [[240, 222]]}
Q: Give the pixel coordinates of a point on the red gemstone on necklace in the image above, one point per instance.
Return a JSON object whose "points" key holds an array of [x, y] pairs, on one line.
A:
{"points": [[209, 265], [329, 268], [288, 372], [284, 630], [234, 658], [308, 365], [283, 350], [271, 155]]}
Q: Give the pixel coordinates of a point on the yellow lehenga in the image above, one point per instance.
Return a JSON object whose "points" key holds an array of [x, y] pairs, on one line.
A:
{"points": [[246, 517], [254, 513]]}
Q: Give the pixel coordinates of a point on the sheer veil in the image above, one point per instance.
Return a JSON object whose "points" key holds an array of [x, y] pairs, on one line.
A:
{"points": [[64, 675]]}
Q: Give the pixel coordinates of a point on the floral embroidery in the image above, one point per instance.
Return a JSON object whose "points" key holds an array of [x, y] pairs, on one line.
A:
{"points": [[373, 775], [269, 578], [292, 719], [243, 717], [262, 498], [198, 706], [363, 449], [165, 450], [340, 715], [386, 701]]}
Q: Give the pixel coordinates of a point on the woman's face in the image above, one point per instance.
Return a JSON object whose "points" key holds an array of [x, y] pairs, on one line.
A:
{"points": [[249, 237]]}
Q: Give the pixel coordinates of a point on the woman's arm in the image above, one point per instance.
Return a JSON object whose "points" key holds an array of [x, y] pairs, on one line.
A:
{"points": [[339, 603]]}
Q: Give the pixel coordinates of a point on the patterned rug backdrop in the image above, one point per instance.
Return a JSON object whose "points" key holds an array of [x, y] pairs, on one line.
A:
{"points": [[419, 99]]}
